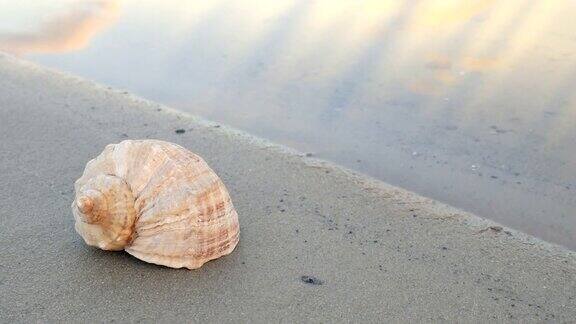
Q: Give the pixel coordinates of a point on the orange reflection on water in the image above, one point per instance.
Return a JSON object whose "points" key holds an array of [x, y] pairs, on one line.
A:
{"points": [[68, 32]]}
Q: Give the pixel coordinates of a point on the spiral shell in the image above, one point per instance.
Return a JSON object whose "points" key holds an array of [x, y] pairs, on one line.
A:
{"points": [[157, 201]]}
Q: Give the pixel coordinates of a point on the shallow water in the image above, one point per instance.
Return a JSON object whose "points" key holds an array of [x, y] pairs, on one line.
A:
{"points": [[469, 102]]}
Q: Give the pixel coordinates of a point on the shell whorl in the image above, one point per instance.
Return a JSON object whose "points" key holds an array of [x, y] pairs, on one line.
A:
{"points": [[183, 216], [104, 212]]}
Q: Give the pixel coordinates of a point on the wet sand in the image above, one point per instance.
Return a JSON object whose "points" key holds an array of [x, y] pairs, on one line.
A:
{"points": [[318, 242]]}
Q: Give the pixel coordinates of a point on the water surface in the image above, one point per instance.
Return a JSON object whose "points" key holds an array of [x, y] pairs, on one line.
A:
{"points": [[469, 102]]}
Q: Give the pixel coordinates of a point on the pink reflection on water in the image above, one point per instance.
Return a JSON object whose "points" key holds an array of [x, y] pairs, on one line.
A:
{"points": [[67, 32]]}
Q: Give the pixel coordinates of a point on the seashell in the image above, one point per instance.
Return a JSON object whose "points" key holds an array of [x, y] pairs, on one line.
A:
{"points": [[157, 201]]}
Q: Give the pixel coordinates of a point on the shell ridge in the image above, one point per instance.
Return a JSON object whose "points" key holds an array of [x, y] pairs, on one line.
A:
{"points": [[224, 245], [169, 163]]}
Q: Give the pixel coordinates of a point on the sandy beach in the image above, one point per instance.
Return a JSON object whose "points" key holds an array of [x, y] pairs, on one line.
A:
{"points": [[318, 243]]}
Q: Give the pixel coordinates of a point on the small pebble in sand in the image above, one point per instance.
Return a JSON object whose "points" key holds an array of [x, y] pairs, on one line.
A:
{"points": [[311, 280]]}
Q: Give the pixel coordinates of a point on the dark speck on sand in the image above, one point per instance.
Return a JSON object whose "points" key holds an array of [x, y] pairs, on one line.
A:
{"points": [[496, 228], [311, 280], [180, 131]]}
